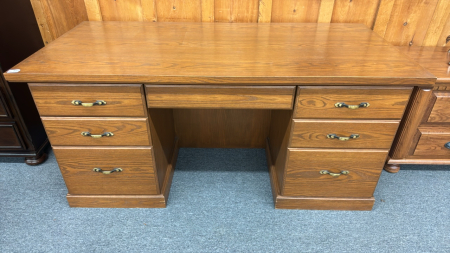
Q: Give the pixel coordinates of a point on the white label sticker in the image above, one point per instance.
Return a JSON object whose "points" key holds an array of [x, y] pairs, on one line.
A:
{"points": [[13, 71]]}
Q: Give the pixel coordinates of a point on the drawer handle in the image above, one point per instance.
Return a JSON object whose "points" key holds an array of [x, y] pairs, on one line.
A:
{"points": [[107, 172], [334, 136], [98, 102], [447, 145], [96, 136], [325, 172], [340, 104]]}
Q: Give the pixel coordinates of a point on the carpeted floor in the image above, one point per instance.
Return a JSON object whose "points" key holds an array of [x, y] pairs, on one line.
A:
{"points": [[220, 201]]}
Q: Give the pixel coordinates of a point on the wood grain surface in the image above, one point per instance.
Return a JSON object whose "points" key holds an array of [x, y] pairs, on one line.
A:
{"points": [[77, 164], [372, 133], [319, 102], [441, 109], [117, 201], [222, 128], [303, 176], [432, 141], [220, 97], [67, 131], [311, 203], [221, 53], [56, 100]]}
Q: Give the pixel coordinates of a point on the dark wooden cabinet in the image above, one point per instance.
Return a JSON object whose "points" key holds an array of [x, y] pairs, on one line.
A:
{"points": [[21, 130]]}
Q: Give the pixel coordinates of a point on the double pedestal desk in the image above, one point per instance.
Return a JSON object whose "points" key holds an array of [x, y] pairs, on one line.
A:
{"points": [[118, 99]]}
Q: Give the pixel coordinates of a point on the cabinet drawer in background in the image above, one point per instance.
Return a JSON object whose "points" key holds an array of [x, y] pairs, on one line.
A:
{"points": [[441, 108], [320, 102], [220, 97], [126, 131], [432, 142], [371, 133], [121, 99], [3, 112], [137, 175], [9, 137], [303, 177]]}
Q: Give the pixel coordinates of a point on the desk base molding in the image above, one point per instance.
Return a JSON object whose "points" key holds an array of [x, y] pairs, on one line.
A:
{"points": [[117, 201]]}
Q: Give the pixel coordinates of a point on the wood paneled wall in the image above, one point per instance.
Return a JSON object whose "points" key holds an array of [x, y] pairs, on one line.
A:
{"points": [[401, 22]]}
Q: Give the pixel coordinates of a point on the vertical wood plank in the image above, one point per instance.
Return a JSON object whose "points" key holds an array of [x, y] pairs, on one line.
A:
{"points": [[121, 10], [149, 10], [295, 11], [207, 10], [444, 34], [325, 11], [355, 11], [439, 21], [93, 10], [409, 21], [265, 11], [42, 21], [244, 11], [383, 17], [179, 10]]}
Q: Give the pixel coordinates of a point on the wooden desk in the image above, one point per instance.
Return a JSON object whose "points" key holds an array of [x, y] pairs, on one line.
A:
{"points": [[325, 100]]}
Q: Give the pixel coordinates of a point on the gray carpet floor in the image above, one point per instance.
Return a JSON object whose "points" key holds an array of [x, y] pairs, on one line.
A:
{"points": [[220, 201]]}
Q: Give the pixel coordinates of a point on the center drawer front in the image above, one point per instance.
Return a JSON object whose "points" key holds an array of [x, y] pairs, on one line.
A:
{"points": [[441, 108], [137, 175], [121, 99], [372, 134], [319, 102], [303, 177], [223, 97], [126, 131], [432, 142]]}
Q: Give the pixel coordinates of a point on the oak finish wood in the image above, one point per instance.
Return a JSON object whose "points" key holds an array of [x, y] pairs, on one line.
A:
{"points": [[441, 108], [220, 97], [303, 176], [146, 52], [56, 99], [117, 201], [67, 131], [319, 102], [372, 133], [222, 128], [138, 175], [432, 141]]}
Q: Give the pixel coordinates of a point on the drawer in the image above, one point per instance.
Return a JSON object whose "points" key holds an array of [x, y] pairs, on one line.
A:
{"points": [[3, 112], [121, 99], [137, 175], [9, 137], [371, 133], [68, 131], [320, 102], [220, 97], [304, 178], [432, 142], [441, 109]]}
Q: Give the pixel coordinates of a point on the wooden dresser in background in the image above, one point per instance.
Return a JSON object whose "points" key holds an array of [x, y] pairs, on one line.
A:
{"points": [[21, 131], [424, 136]]}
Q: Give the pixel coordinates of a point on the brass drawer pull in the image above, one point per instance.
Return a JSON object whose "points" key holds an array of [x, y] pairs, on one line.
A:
{"points": [[105, 134], [107, 172], [98, 102], [334, 136], [447, 145], [325, 172], [340, 104]]}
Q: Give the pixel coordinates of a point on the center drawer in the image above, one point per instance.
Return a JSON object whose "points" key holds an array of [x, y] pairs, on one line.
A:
{"points": [[87, 131], [343, 134], [304, 177], [137, 175]]}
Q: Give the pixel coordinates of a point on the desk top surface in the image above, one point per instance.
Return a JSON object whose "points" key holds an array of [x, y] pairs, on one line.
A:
{"points": [[221, 53], [434, 59]]}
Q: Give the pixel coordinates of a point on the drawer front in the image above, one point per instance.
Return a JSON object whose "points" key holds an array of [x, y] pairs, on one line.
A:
{"points": [[3, 112], [68, 131], [121, 100], [9, 137], [137, 175], [367, 133], [223, 97], [441, 108], [303, 177], [432, 142], [320, 103]]}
